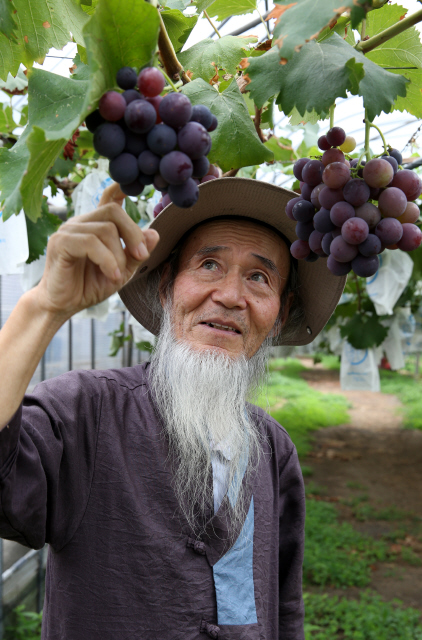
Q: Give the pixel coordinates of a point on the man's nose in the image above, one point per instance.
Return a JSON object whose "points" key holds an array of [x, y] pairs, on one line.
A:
{"points": [[230, 291]]}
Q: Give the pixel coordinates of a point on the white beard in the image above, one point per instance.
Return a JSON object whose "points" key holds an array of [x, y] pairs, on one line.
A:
{"points": [[201, 396]]}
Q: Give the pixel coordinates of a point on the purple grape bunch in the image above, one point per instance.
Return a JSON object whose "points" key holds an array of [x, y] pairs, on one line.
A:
{"points": [[348, 213], [151, 139]]}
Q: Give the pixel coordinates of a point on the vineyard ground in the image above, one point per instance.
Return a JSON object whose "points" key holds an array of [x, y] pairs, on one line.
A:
{"points": [[372, 469]]}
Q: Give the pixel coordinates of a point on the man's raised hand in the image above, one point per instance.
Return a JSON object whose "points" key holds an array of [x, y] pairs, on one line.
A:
{"points": [[86, 262]]}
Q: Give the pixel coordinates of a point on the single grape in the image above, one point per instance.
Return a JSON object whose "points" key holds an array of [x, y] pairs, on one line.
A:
{"points": [[304, 230], [200, 167], [411, 238], [315, 194], [298, 167], [356, 192], [176, 167], [93, 120], [299, 249], [158, 209], [322, 222], [323, 143], [396, 155], [156, 104], [144, 179], [194, 140], [135, 143], [140, 116], [374, 193], [134, 188], [360, 168], [112, 106], [313, 257], [338, 268], [378, 173], [303, 211], [207, 178], [184, 195], [389, 231], [124, 168], [159, 183], [214, 171], [371, 246], [166, 200], [130, 95], [214, 124], [201, 114], [161, 139], [148, 163], [342, 251], [151, 82], [109, 140], [175, 109], [409, 182], [328, 197], [335, 175], [336, 136], [348, 145], [332, 155], [393, 163], [411, 213], [340, 212], [392, 202], [315, 240], [126, 78], [326, 243], [306, 191], [364, 266], [290, 205], [312, 172], [370, 213], [355, 230]]}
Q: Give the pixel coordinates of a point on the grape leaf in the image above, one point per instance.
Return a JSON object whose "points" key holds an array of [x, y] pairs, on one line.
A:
{"points": [[235, 142], [201, 5], [364, 331], [7, 124], [46, 24], [13, 163], [222, 9], [132, 210], [7, 23], [281, 148], [19, 83], [404, 50], [298, 82], [309, 116], [225, 52], [178, 27], [176, 4], [39, 233], [304, 20]]}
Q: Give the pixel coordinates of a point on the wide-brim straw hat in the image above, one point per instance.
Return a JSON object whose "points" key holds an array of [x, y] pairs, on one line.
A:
{"points": [[319, 289]]}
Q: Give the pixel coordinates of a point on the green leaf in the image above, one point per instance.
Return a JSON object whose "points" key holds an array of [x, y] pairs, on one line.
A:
{"points": [[235, 142], [309, 116], [404, 50], [305, 20], [7, 124], [201, 5], [7, 23], [46, 24], [281, 148], [225, 52], [39, 233], [222, 9], [19, 82], [13, 163], [364, 331], [178, 27], [176, 4], [132, 210], [298, 83]]}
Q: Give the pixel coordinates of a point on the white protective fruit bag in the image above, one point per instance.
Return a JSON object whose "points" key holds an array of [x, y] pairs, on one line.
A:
{"points": [[87, 195], [392, 345], [389, 282], [14, 250], [359, 370]]}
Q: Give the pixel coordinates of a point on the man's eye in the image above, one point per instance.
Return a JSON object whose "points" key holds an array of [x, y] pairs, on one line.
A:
{"points": [[210, 265], [259, 277]]}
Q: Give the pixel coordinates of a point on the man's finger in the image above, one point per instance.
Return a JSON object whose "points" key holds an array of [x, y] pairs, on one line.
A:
{"points": [[113, 193]]}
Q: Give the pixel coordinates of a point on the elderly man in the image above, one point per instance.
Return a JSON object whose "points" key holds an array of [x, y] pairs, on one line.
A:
{"points": [[172, 507]]}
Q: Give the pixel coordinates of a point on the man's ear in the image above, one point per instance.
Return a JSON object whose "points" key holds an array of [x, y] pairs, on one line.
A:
{"points": [[162, 287], [282, 317]]}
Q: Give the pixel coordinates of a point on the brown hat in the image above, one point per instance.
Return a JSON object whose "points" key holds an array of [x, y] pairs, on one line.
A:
{"points": [[319, 290]]}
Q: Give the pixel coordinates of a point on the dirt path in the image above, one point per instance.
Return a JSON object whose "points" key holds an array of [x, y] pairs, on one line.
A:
{"points": [[374, 456]]}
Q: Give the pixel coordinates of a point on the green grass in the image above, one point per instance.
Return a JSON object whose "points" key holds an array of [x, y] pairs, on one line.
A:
{"points": [[409, 392], [299, 408], [369, 618]]}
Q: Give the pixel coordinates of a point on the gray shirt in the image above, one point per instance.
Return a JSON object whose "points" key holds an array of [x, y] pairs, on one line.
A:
{"points": [[84, 467]]}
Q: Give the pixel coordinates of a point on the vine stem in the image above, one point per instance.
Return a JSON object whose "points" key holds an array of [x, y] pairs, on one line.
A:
{"points": [[371, 124], [169, 81], [367, 130], [264, 23], [391, 32], [168, 55], [212, 24], [333, 106], [358, 293]]}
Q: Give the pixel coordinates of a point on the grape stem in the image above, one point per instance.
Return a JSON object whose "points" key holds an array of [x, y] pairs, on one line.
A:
{"points": [[264, 23], [168, 55], [391, 32], [333, 106], [359, 300], [169, 81], [212, 24], [367, 151], [371, 124], [257, 123]]}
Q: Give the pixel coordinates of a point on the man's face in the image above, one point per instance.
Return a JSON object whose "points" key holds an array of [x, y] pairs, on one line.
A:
{"points": [[231, 274]]}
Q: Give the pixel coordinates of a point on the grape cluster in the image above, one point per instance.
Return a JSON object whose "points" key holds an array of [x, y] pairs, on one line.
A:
{"points": [[151, 139], [349, 212], [213, 173]]}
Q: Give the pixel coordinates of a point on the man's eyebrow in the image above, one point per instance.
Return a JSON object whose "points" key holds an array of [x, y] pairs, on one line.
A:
{"points": [[207, 250], [267, 263]]}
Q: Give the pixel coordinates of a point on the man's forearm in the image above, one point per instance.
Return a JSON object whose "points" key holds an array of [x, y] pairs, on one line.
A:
{"points": [[23, 340]]}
